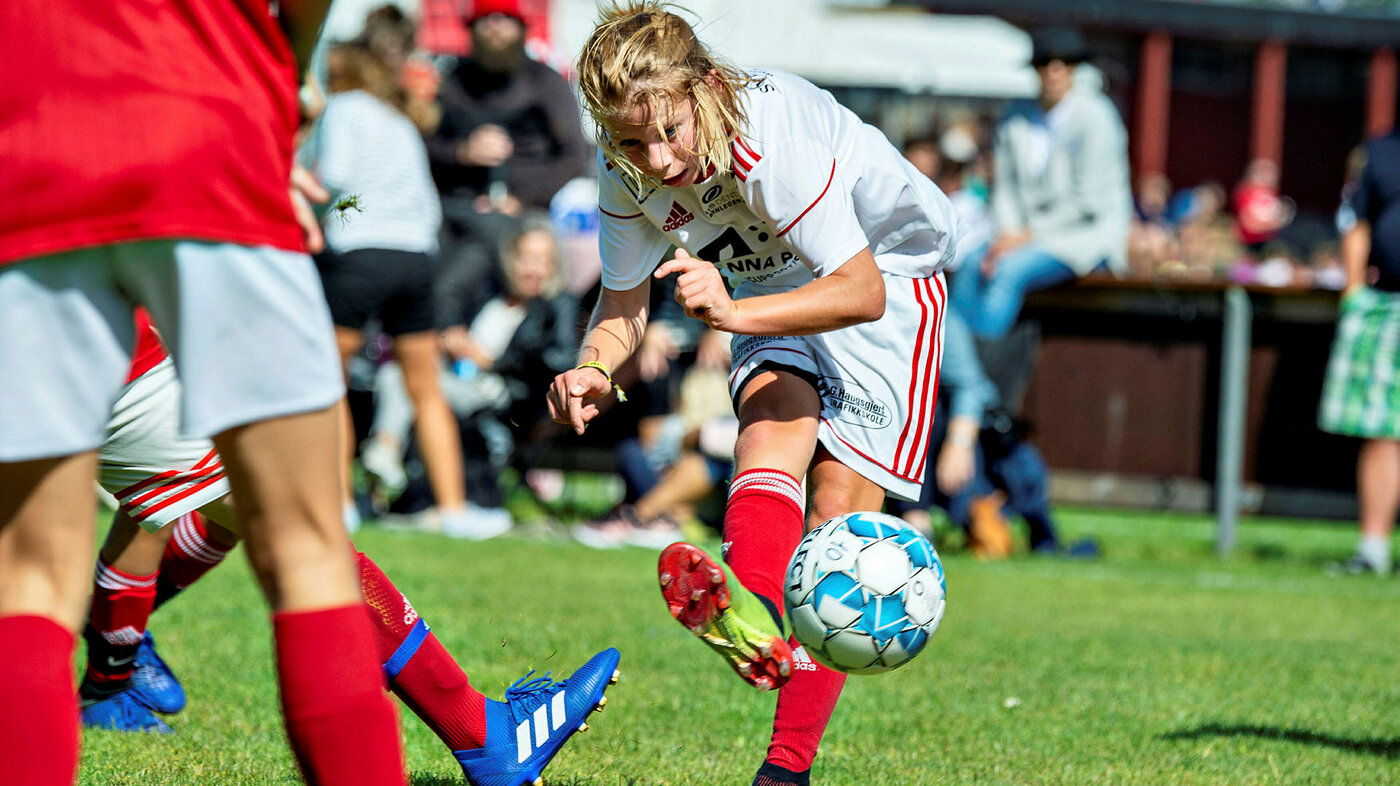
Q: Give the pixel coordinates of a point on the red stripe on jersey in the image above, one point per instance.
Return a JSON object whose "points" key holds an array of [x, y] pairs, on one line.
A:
{"points": [[740, 141], [914, 371], [215, 470], [916, 479], [615, 215], [921, 402], [148, 351], [148, 512], [829, 178], [170, 473], [931, 393]]}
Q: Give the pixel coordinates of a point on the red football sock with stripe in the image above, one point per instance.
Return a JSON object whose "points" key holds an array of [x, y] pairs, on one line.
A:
{"points": [[191, 553], [762, 527], [420, 670], [341, 724], [804, 709], [121, 607], [38, 713]]}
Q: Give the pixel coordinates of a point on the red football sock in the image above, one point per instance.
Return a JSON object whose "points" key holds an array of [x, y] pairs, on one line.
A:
{"points": [[420, 670], [762, 527], [121, 607], [804, 708], [341, 724], [190, 554], [38, 711]]}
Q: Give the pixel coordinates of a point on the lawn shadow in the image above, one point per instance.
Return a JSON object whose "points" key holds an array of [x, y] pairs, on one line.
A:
{"points": [[1385, 748]]}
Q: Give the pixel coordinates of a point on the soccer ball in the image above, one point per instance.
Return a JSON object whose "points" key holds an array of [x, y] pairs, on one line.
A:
{"points": [[864, 592]]}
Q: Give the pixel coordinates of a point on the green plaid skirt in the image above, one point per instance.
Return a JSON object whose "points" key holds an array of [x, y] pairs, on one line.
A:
{"points": [[1361, 394]]}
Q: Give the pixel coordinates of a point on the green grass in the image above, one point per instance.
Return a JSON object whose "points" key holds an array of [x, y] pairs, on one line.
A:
{"points": [[1158, 664]]}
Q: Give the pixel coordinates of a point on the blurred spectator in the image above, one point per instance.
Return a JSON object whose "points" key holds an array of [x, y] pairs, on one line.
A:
{"points": [[1152, 239], [1061, 196], [924, 154], [380, 258], [496, 353], [1207, 238], [960, 153], [509, 139], [1259, 210], [389, 33], [1361, 393]]}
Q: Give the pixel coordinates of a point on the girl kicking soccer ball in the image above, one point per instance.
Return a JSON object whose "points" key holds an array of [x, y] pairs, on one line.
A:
{"points": [[832, 244]]}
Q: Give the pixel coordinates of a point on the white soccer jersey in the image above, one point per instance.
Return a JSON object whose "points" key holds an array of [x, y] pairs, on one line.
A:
{"points": [[812, 186]]}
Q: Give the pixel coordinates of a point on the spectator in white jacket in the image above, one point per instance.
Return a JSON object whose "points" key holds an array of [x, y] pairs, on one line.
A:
{"points": [[1061, 200]]}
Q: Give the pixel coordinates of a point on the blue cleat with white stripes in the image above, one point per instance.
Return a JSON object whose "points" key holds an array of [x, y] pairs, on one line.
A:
{"points": [[538, 715]]}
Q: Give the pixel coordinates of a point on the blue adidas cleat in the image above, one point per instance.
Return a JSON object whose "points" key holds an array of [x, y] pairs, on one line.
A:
{"points": [[153, 682], [525, 731], [122, 711]]}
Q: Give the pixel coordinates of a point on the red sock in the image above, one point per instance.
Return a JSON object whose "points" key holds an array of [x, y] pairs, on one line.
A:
{"points": [[420, 670], [189, 555], [762, 527], [804, 708], [38, 711], [342, 726], [121, 607]]}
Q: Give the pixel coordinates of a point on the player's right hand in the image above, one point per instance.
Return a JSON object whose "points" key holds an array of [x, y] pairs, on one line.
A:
{"points": [[571, 396]]}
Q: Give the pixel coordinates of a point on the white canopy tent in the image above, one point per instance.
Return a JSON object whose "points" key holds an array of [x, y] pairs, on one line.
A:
{"points": [[838, 45]]}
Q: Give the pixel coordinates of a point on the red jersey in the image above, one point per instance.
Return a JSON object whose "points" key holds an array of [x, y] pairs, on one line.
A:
{"points": [[130, 120], [149, 351]]}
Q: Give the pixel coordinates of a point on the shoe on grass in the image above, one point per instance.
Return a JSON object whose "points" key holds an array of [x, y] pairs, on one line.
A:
{"points": [[122, 711], [722, 613], [537, 717], [152, 681], [1358, 565]]}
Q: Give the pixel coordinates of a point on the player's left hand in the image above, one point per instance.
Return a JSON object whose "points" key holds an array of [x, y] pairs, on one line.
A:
{"points": [[700, 290], [305, 190]]}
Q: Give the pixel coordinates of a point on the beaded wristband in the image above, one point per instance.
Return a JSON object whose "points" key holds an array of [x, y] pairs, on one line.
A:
{"points": [[593, 364]]}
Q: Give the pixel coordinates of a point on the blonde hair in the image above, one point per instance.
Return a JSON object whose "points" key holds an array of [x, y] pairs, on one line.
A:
{"points": [[642, 54], [354, 65]]}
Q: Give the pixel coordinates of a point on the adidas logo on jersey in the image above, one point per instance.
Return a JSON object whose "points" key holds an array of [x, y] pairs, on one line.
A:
{"points": [[546, 719], [679, 217], [802, 661]]}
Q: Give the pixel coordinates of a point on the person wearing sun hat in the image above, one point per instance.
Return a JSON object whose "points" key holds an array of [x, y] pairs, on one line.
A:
{"points": [[1061, 199], [509, 139]]}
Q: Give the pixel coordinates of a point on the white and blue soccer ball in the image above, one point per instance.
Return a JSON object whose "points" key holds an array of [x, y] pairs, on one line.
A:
{"points": [[864, 592]]}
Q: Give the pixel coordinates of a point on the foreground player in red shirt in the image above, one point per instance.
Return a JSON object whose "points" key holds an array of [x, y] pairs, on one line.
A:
{"points": [[147, 150], [160, 480]]}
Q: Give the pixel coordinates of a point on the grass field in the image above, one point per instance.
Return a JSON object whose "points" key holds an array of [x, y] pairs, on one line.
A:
{"points": [[1158, 664]]}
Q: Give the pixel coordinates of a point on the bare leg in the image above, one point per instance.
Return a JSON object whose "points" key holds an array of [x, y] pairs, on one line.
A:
{"points": [[682, 485], [435, 425], [47, 510], [46, 550], [1378, 486], [285, 474], [348, 341]]}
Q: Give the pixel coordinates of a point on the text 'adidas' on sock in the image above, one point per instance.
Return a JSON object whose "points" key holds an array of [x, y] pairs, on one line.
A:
{"points": [[420, 670]]}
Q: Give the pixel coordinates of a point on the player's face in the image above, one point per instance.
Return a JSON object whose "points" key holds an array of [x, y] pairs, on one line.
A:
{"points": [[534, 264], [666, 153], [1056, 79]]}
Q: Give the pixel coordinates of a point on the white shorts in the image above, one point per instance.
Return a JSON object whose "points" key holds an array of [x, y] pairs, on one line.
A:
{"points": [[156, 474], [248, 329], [877, 381]]}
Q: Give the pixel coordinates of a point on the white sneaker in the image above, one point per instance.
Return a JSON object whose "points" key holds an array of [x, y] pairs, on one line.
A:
{"points": [[385, 464], [475, 523]]}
